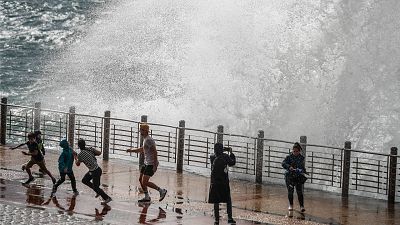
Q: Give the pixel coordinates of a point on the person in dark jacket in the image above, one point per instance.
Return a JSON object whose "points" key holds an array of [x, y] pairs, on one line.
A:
{"points": [[65, 162], [220, 191], [294, 175], [36, 158]]}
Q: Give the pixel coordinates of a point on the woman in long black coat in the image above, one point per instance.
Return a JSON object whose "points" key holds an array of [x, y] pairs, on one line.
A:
{"points": [[220, 191]]}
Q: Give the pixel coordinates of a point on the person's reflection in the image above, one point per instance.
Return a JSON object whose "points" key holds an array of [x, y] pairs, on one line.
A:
{"points": [[34, 195], [71, 201], [100, 215], [143, 214]]}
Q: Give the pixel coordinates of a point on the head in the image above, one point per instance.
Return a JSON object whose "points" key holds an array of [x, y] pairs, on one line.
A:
{"points": [[218, 148], [144, 129], [81, 144], [296, 149], [31, 137], [38, 133], [64, 144]]}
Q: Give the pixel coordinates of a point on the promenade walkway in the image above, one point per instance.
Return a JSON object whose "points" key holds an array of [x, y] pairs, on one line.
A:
{"points": [[185, 202]]}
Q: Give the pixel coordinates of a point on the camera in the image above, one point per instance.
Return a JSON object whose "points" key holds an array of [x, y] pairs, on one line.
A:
{"points": [[227, 149]]}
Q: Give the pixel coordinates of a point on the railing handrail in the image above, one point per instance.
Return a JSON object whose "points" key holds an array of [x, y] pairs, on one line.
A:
{"points": [[207, 131]]}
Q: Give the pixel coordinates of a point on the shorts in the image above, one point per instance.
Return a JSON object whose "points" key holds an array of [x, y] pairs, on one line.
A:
{"points": [[147, 170], [41, 164]]}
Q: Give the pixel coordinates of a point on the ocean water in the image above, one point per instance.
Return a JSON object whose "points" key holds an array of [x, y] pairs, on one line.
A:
{"points": [[326, 69]]}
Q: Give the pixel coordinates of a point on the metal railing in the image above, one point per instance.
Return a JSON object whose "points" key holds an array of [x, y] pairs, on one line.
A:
{"points": [[368, 173]]}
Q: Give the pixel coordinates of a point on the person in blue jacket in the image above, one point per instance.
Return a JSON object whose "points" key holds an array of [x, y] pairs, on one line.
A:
{"points": [[65, 162], [294, 164]]}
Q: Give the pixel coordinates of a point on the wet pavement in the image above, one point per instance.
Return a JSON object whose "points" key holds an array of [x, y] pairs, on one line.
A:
{"points": [[185, 202]]}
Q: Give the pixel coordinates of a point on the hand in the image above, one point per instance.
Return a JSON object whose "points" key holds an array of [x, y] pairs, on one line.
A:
{"points": [[291, 168], [128, 150], [155, 166], [25, 153]]}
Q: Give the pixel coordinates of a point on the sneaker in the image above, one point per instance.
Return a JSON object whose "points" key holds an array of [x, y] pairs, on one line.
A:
{"points": [[106, 201], [231, 221], [29, 180], [290, 207], [76, 193], [163, 192], [145, 199], [302, 209]]}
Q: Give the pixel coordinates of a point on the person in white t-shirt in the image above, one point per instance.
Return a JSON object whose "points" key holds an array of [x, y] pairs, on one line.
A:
{"points": [[150, 164]]}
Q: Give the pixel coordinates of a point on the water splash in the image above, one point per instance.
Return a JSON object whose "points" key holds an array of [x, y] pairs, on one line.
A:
{"points": [[324, 69]]}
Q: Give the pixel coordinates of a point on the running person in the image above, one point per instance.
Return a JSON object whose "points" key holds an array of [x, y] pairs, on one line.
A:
{"points": [[87, 156], [150, 164], [36, 158]]}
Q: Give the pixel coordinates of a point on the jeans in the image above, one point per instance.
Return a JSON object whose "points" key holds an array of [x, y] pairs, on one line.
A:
{"points": [[62, 179], [299, 190], [95, 176]]}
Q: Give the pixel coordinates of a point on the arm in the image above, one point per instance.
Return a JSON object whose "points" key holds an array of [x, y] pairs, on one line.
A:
{"points": [[231, 159], [135, 150], [18, 146], [96, 152], [35, 152], [286, 163], [154, 153], [77, 162]]}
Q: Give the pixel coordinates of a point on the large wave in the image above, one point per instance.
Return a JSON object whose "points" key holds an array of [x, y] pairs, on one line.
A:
{"points": [[325, 69]]}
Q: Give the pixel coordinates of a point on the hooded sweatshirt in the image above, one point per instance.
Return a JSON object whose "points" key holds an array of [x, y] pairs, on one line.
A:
{"points": [[66, 158]]}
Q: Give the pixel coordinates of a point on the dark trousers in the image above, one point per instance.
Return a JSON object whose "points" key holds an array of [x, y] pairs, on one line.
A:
{"points": [[299, 190], [228, 209], [95, 176], [62, 179]]}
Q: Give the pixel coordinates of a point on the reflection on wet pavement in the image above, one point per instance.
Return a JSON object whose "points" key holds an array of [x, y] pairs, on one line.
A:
{"points": [[185, 203]]}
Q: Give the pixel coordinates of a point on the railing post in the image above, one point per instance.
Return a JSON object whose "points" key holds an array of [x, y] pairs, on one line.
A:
{"points": [[346, 169], [303, 144], [106, 135], [36, 116], [181, 147], [220, 134], [392, 175], [71, 126], [260, 156], [3, 121], [143, 119]]}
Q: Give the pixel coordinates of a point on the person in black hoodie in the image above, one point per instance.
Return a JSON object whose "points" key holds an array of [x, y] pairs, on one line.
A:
{"points": [[220, 191]]}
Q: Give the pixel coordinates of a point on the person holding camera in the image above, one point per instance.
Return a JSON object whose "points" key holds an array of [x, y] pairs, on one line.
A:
{"points": [[219, 186], [294, 175]]}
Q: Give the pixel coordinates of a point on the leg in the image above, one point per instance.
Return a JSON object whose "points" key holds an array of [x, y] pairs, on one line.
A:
{"points": [[290, 191], [229, 209], [216, 213], [59, 182], [299, 190], [96, 184], [42, 166], [149, 184], [87, 178], [28, 171], [73, 181]]}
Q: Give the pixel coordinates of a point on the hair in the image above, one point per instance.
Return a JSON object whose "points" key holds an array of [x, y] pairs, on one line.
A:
{"points": [[37, 132], [144, 126], [218, 148], [31, 135], [81, 143], [297, 145]]}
